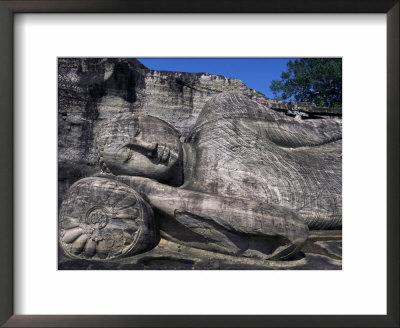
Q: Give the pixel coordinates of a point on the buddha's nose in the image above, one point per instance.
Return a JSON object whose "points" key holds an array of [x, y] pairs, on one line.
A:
{"points": [[151, 146]]}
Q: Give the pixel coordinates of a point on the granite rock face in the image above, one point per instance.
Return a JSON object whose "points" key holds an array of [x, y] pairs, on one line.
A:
{"points": [[173, 256], [104, 218], [246, 150], [185, 161], [92, 90]]}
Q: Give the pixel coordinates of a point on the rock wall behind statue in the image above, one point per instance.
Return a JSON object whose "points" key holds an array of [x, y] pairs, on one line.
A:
{"points": [[91, 90]]}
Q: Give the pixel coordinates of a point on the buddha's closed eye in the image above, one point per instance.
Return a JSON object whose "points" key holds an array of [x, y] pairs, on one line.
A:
{"points": [[163, 153], [158, 153], [142, 145], [125, 153]]}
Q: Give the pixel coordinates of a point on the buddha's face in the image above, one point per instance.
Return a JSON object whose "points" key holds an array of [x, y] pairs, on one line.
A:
{"points": [[143, 146]]}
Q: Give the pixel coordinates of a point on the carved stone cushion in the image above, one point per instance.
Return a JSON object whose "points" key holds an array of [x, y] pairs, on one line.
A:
{"points": [[103, 219]]}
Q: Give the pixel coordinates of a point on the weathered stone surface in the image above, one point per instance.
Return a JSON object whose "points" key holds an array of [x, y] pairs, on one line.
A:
{"points": [[92, 90], [141, 145], [324, 242], [237, 178], [102, 219], [173, 256], [245, 150], [234, 226], [332, 247], [237, 148]]}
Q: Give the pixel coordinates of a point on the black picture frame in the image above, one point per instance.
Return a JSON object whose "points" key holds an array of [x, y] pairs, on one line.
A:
{"points": [[10, 7]]}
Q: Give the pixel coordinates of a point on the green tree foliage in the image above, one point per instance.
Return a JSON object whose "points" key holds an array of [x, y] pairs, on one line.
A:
{"points": [[315, 80]]}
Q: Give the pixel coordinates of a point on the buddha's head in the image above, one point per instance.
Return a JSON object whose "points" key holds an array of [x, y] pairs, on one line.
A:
{"points": [[140, 145]]}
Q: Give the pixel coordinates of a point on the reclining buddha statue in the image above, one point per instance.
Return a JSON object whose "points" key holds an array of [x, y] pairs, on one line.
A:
{"points": [[247, 181]]}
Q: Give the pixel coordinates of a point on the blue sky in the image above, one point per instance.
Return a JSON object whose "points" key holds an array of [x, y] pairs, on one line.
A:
{"points": [[256, 73]]}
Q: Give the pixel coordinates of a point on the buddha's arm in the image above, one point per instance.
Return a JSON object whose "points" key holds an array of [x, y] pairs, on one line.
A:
{"points": [[207, 214]]}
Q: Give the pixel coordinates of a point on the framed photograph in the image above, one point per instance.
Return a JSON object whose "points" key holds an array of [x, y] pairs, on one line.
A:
{"points": [[91, 232]]}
